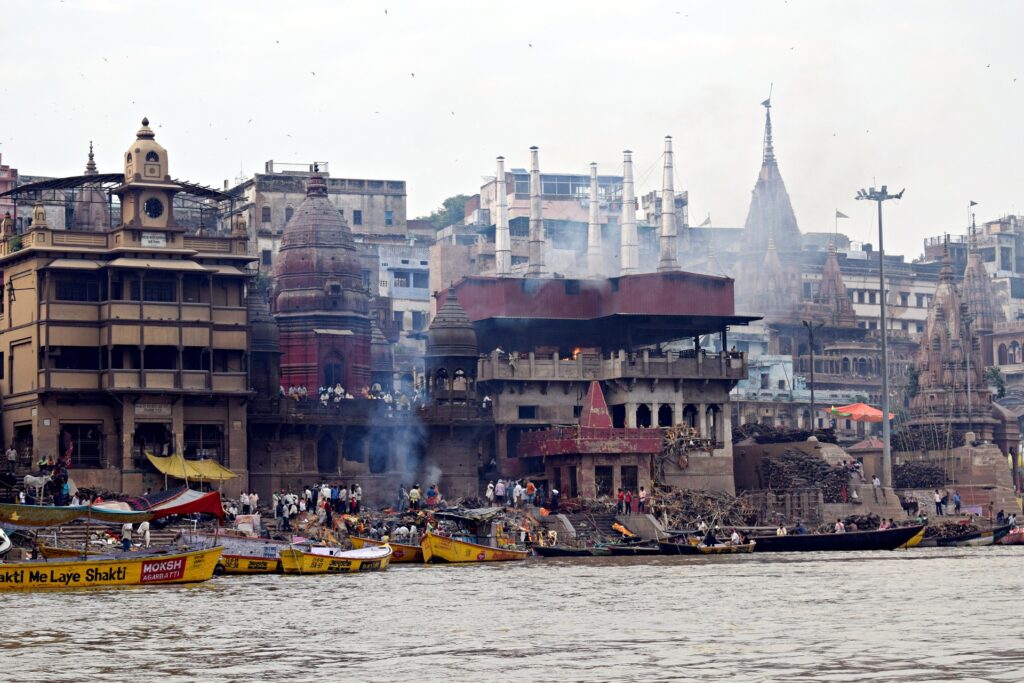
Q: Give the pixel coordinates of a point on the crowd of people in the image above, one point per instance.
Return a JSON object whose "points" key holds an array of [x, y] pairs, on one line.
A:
{"points": [[520, 493], [324, 396]]}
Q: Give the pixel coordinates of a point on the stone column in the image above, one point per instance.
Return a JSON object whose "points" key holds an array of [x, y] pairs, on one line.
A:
{"points": [[127, 432], [702, 421], [630, 414]]}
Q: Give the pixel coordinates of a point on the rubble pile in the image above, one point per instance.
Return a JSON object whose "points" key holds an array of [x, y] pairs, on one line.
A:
{"points": [[796, 470], [760, 433], [683, 508], [918, 475], [950, 529]]}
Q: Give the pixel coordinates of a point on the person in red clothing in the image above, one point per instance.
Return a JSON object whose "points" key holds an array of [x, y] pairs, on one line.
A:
{"points": [[620, 501], [628, 508]]}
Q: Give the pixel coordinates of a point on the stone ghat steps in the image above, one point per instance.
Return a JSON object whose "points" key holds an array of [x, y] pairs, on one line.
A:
{"points": [[593, 526], [74, 535]]}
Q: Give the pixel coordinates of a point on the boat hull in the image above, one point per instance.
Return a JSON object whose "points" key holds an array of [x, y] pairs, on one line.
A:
{"points": [[400, 552], [295, 561], [443, 549], [145, 570], [888, 539], [563, 551], [726, 549], [630, 550], [242, 554], [677, 548]]}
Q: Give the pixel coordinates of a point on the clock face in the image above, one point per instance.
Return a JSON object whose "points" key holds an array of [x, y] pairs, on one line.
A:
{"points": [[153, 207]]}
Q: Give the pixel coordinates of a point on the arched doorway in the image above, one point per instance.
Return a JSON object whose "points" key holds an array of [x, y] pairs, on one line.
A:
{"points": [[665, 415], [714, 422], [334, 371], [327, 454], [690, 416], [643, 415]]}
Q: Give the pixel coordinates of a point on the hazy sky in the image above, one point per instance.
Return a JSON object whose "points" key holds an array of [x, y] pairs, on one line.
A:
{"points": [[917, 94]]}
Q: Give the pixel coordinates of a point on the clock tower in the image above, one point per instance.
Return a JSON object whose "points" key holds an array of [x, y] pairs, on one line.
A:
{"points": [[148, 191]]}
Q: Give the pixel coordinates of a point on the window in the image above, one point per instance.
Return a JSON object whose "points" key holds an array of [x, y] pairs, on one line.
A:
{"points": [[873, 325], [920, 300], [399, 319], [265, 214], [267, 257], [357, 217], [401, 279], [204, 441], [389, 219], [419, 320], [920, 328], [341, 212], [366, 279], [807, 290], [905, 326], [383, 284], [572, 286], [86, 441], [872, 297], [420, 280], [155, 290], [527, 412], [152, 156], [77, 289], [904, 299], [782, 384], [860, 297], [288, 213], [764, 380]]}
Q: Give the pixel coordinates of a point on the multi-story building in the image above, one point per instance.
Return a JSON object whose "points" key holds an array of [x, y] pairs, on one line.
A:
{"points": [[127, 338]]}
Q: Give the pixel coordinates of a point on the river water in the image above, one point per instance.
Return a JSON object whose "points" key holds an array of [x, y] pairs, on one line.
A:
{"points": [[919, 615]]}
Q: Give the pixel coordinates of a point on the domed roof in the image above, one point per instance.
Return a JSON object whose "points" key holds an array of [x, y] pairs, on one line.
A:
{"points": [[317, 267], [146, 159], [265, 335], [450, 332], [381, 356]]}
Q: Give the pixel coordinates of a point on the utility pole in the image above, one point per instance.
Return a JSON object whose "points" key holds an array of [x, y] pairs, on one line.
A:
{"points": [[811, 327], [879, 196]]}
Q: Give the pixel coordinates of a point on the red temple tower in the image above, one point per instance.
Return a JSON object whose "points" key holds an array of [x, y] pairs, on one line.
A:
{"points": [[320, 303]]}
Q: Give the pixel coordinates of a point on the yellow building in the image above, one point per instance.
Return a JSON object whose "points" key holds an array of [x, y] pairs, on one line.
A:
{"points": [[128, 338]]}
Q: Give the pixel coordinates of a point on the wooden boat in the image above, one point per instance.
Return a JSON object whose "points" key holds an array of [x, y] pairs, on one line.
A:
{"points": [[726, 548], [678, 546], [1014, 536], [56, 552], [400, 552], [242, 554], [974, 538], [321, 560], [129, 569], [563, 551], [446, 549], [628, 549], [888, 539]]}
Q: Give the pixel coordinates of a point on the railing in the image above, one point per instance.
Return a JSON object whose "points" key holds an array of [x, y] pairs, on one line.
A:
{"points": [[159, 379], [229, 381], [209, 244], [70, 379], [730, 366]]}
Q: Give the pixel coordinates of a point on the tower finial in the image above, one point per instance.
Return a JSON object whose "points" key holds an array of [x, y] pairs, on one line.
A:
{"points": [[90, 165], [769, 149]]}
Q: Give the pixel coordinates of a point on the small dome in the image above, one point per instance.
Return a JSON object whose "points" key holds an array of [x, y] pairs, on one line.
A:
{"points": [[381, 356], [265, 335], [450, 332], [146, 159]]}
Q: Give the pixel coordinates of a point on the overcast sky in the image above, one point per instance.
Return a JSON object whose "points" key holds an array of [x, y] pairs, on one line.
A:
{"points": [[917, 94]]}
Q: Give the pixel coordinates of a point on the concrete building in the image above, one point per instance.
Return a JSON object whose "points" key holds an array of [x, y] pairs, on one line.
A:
{"points": [[127, 338]]}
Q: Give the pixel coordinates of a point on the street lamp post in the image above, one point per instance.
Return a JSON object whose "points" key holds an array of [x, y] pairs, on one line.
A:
{"points": [[879, 196], [811, 327]]}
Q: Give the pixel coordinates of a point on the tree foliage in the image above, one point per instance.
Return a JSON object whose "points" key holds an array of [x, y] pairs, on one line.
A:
{"points": [[913, 381], [994, 377], [451, 211]]}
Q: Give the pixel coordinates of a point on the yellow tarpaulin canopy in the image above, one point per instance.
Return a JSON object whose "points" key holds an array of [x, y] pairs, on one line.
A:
{"points": [[195, 470]]}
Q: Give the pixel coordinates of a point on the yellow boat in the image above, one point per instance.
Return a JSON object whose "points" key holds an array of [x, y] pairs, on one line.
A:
{"points": [[399, 551], [242, 554], [130, 570], [445, 549], [335, 561], [53, 552], [912, 543]]}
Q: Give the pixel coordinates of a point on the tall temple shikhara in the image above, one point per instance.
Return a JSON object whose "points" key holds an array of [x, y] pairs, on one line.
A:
{"points": [[949, 365], [771, 213]]}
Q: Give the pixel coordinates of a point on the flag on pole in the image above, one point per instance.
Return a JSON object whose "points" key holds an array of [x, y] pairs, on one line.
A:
{"points": [[707, 222], [973, 203], [840, 214]]}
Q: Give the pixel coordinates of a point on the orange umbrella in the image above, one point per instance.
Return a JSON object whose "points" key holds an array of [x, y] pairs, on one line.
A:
{"points": [[858, 412]]}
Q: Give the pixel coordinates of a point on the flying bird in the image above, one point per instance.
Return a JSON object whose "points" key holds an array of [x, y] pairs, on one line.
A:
{"points": [[413, 75], [385, 10]]}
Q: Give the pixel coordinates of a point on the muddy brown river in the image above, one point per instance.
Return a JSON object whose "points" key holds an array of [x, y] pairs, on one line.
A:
{"points": [[919, 615]]}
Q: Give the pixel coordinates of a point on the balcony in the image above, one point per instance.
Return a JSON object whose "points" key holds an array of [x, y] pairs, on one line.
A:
{"points": [[159, 379], [78, 312], [122, 379], [223, 315], [229, 381], [195, 379], [725, 366], [70, 379]]}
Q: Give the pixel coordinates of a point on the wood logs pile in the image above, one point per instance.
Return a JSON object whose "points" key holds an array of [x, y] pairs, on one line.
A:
{"points": [[917, 474], [685, 507], [950, 529], [796, 470]]}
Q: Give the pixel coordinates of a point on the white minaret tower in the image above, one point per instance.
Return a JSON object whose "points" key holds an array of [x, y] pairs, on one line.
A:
{"points": [[595, 259], [667, 240], [502, 238], [629, 257], [536, 267]]}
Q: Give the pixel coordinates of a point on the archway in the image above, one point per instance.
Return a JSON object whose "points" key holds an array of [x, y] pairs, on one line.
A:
{"points": [[846, 366], [714, 422], [327, 454], [1002, 354], [643, 415], [665, 415], [690, 415]]}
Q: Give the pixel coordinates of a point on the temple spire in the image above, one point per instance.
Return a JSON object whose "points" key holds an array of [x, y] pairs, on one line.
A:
{"points": [[769, 149], [946, 273], [90, 166]]}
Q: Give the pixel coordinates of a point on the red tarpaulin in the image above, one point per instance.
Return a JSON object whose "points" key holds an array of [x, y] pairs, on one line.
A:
{"points": [[858, 412]]}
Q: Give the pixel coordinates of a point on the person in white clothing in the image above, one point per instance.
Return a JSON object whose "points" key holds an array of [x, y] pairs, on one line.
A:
{"points": [[144, 534], [253, 502]]}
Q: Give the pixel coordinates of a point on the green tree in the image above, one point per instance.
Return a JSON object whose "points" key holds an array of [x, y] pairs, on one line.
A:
{"points": [[452, 210], [994, 377]]}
